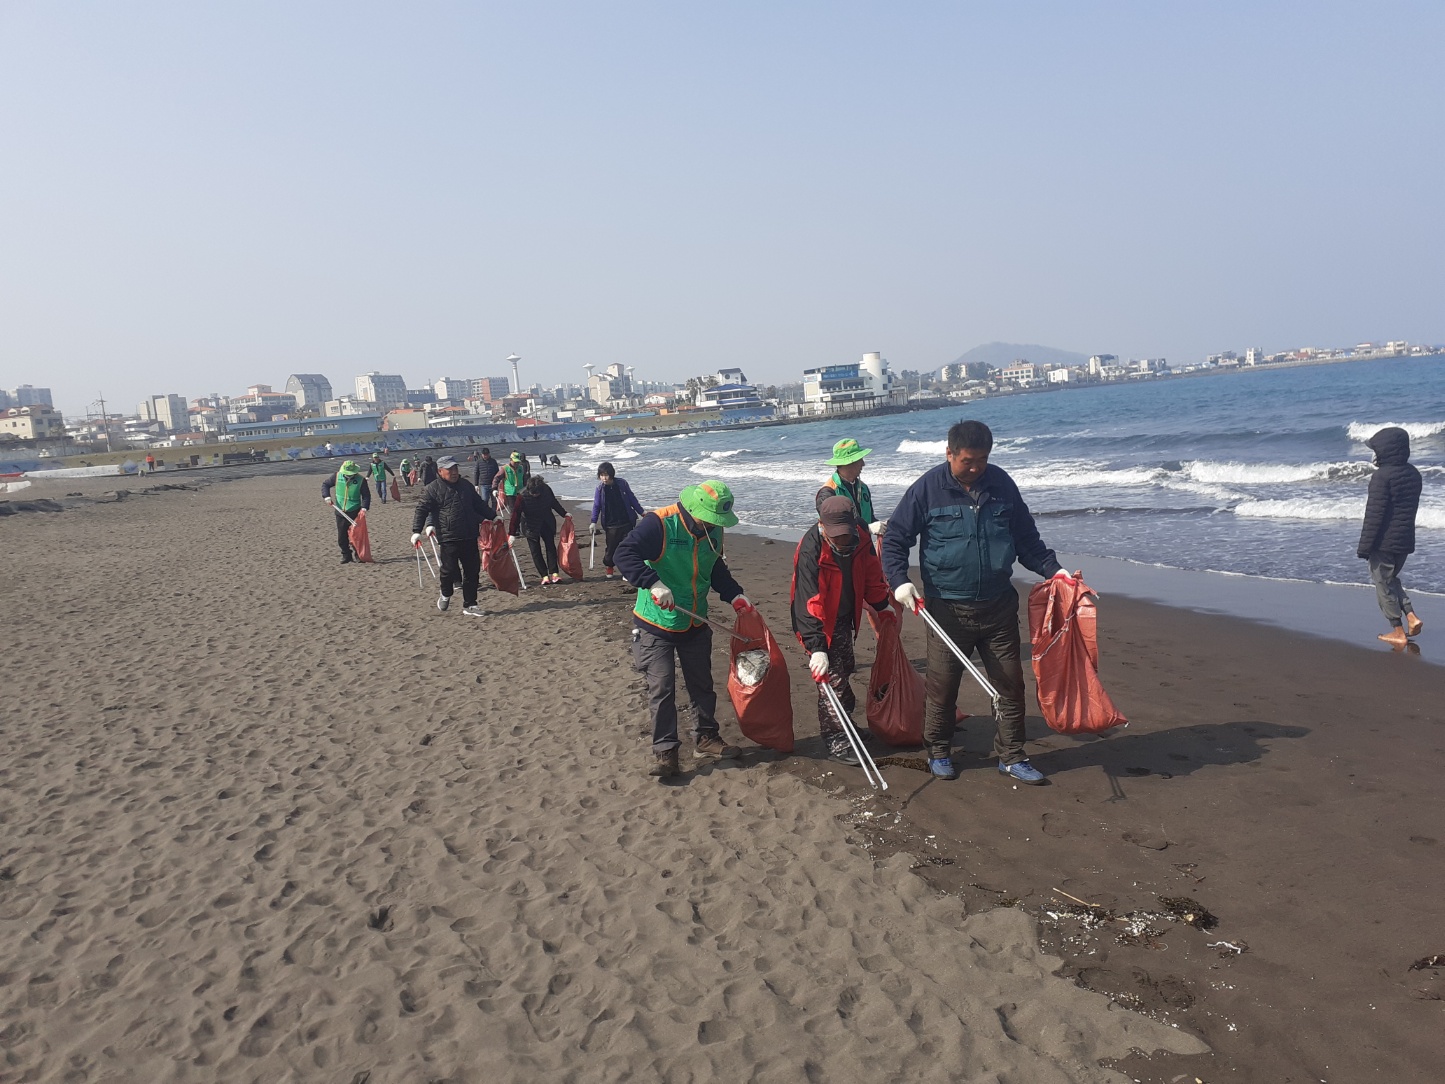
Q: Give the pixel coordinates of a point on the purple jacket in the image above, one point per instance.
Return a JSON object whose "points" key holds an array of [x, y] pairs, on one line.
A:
{"points": [[629, 504]]}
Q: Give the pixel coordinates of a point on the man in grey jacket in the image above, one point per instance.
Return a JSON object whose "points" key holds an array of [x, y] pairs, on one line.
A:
{"points": [[1387, 536]]}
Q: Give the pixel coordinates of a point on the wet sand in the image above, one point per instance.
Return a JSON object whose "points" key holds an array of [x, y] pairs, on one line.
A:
{"points": [[270, 818]]}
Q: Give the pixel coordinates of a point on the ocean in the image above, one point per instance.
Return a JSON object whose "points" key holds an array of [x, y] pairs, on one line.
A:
{"points": [[1257, 473]]}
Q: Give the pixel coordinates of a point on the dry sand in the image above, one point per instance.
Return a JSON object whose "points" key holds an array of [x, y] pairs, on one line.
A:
{"points": [[269, 818]]}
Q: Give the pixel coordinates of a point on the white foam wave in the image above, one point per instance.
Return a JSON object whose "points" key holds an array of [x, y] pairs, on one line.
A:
{"points": [[1363, 431], [1250, 474], [596, 453], [728, 453], [1076, 475], [922, 447], [775, 472], [1349, 508]]}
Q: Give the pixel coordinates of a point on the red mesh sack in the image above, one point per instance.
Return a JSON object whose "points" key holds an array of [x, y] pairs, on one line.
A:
{"points": [[895, 688], [764, 710], [569, 557], [1063, 629], [497, 558], [360, 538], [395, 490]]}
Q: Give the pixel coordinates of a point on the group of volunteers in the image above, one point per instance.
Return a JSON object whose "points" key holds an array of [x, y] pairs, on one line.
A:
{"points": [[966, 516], [970, 523]]}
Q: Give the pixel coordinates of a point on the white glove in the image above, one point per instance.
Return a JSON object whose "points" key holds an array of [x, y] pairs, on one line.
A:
{"points": [[909, 596], [876, 527], [592, 527], [662, 595], [742, 605], [431, 532], [328, 500], [416, 538], [818, 665], [511, 538], [1064, 574], [567, 516]]}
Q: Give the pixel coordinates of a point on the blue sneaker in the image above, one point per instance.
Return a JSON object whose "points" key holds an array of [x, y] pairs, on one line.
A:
{"points": [[942, 767], [1023, 772]]}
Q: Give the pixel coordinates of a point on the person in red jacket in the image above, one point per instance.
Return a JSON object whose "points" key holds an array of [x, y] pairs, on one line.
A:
{"points": [[835, 571]]}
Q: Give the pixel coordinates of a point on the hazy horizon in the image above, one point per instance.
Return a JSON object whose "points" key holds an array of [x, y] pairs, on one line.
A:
{"points": [[198, 199]]}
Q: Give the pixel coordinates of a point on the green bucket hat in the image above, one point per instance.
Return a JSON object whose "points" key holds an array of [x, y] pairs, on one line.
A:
{"points": [[847, 451], [711, 502], [350, 467]]}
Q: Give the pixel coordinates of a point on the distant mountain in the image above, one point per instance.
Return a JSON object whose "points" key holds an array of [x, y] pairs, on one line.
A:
{"points": [[1000, 354]]}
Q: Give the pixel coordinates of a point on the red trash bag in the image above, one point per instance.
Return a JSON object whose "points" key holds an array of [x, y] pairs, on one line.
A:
{"points": [[1063, 627], [360, 538], [895, 688], [395, 489], [764, 708], [497, 558], [569, 557]]}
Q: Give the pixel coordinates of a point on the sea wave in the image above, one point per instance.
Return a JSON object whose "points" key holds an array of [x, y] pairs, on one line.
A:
{"points": [[922, 447], [1429, 517], [1249, 474], [725, 454], [596, 453], [1363, 431]]}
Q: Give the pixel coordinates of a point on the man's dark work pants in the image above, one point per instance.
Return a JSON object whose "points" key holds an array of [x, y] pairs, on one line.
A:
{"points": [[343, 535], [993, 629], [469, 557], [654, 659]]}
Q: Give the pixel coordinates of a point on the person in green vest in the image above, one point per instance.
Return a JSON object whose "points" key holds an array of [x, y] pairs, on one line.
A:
{"points": [[674, 559], [379, 469], [510, 482], [847, 464], [346, 491], [406, 471]]}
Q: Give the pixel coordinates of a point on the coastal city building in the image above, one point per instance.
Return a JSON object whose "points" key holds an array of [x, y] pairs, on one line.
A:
{"points": [[730, 392], [860, 385], [39, 422], [310, 389], [169, 411], [383, 391], [1023, 373]]}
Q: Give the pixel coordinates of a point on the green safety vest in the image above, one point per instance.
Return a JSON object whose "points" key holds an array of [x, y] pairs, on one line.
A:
{"points": [[513, 480], [685, 565], [378, 470], [348, 493], [863, 503]]}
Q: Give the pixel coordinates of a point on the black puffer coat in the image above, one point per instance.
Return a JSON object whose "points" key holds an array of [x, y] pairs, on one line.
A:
{"points": [[1394, 497], [455, 509]]}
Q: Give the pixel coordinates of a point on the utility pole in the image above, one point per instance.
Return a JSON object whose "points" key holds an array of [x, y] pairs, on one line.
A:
{"points": [[104, 423]]}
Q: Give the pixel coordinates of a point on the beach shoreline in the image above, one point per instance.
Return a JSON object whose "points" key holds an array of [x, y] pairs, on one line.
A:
{"points": [[217, 851]]}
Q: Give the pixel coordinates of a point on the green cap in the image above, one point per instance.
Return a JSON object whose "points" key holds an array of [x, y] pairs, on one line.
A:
{"points": [[350, 467], [711, 502], [847, 451]]}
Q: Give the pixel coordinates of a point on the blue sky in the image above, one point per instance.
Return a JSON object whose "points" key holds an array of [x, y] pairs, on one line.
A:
{"points": [[199, 197]]}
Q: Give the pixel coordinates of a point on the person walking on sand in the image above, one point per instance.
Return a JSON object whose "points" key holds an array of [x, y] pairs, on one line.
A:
{"points": [[971, 523], [510, 480], [346, 491], [484, 474], [674, 558], [406, 472], [379, 470], [847, 463], [429, 470], [614, 513], [835, 571], [1387, 536], [532, 517], [456, 510]]}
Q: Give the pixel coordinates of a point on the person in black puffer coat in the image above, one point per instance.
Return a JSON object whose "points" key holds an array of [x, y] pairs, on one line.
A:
{"points": [[1388, 534], [533, 515], [452, 511]]}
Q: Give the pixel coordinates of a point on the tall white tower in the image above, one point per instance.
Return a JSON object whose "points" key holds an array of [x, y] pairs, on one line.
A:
{"points": [[516, 380]]}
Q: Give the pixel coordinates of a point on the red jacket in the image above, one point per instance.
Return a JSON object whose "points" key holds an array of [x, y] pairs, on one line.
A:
{"points": [[818, 587]]}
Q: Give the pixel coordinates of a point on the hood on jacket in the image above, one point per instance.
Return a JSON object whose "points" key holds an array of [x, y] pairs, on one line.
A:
{"points": [[1391, 446]]}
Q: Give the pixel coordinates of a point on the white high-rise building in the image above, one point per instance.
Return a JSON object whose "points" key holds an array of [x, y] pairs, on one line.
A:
{"points": [[384, 390]]}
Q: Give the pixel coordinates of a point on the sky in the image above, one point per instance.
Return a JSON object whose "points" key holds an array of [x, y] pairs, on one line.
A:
{"points": [[198, 197]]}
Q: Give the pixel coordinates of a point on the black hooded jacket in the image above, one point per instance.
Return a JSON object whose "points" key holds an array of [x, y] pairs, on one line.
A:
{"points": [[1394, 497], [456, 509]]}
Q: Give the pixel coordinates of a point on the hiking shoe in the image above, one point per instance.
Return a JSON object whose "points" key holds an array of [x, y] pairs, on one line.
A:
{"points": [[710, 745], [942, 767], [611, 573], [443, 602], [1024, 772], [664, 765], [841, 750], [472, 611]]}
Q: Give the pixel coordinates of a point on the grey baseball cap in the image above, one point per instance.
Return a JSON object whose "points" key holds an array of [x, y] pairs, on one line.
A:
{"points": [[446, 462]]}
